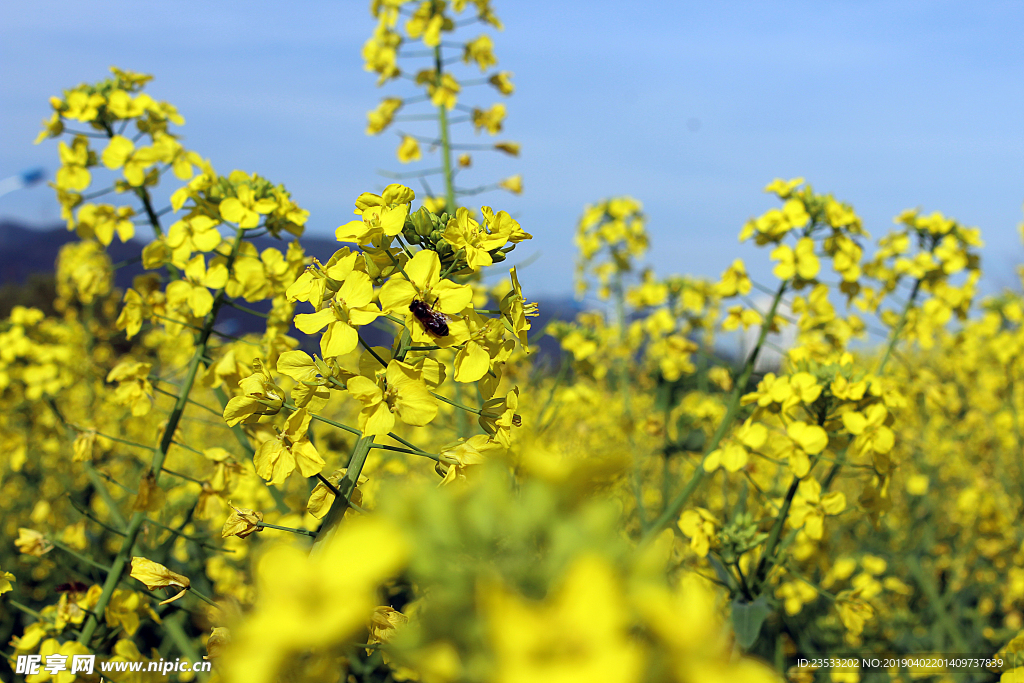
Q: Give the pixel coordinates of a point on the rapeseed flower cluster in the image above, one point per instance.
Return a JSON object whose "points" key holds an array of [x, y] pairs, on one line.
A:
{"points": [[383, 483]]}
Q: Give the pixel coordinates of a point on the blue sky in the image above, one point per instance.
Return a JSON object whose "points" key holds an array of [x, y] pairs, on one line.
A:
{"points": [[690, 107]]}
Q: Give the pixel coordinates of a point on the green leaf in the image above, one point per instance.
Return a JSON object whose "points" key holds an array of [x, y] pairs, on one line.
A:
{"points": [[747, 618]]}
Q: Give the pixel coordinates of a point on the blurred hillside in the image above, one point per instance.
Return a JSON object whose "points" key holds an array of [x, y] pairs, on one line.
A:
{"points": [[28, 254]]}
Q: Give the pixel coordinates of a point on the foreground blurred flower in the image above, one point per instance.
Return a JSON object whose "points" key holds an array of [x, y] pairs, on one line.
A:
{"points": [[218, 640], [309, 602], [579, 633]]}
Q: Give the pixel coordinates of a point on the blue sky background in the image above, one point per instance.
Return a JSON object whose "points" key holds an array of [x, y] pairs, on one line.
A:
{"points": [[690, 107]]}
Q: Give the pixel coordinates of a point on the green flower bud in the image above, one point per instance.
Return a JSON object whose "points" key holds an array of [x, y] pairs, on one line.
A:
{"points": [[422, 221]]}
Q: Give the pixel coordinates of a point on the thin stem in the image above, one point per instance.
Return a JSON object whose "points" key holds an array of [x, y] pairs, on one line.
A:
{"points": [[677, 503], [159, 455], [218, 413], [563, 371], [113, 438], [398, 449], [326, 482], [411, 174], [320, 418], [202, 597], [182, 476], [187, 448], [405, 443], [246, 309], [899, 326], [89, 516], [28, 610], [446, 152], [773, 538], [112, 508], [455, 262], [301, 532], [936, 602], [82, 558], [372, 352], [457, 405]]}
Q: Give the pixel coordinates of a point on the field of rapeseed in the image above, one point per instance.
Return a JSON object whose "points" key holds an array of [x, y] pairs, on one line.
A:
{"points": [[314, 504]]}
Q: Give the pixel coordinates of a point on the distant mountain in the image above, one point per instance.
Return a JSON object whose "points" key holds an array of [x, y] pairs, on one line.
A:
{"points": [[25, 250], [28, 250]]}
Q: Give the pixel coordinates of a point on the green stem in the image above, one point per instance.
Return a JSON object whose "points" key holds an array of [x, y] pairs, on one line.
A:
{"points": [[936, 602], [28, 610], [115, 439], [182, 476], [397, 449], [82, 558], [455, 403], [202, 597], [461, 423], [899, 326], [677, 503], [372, 352], [350, 430], [245, 309], [622, 364], [834, 471], [455, 262], [563, 370], [446, 148], [172, 626], [187, 448], [194, 539], [207, 408], [776, 532], [159, 455], [332, 522], [327, 482], [97, 483], [301, 532], [147, 204], [90, 517]]}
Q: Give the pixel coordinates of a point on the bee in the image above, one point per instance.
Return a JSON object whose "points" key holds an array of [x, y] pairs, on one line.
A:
{"points": [[435, 322], [72, 587]]}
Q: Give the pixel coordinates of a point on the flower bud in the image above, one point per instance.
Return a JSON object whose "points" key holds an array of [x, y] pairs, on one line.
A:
{"points": [[422, 221]]}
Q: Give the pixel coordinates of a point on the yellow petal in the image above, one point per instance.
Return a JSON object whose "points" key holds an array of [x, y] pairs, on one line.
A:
{"points": [[339, 339], [854, 422], [833, 503], [424, 269], [415, 405], [375, 420], [364, 390], [396, 295], [314, 322], [451, 298], [471, 362]]}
